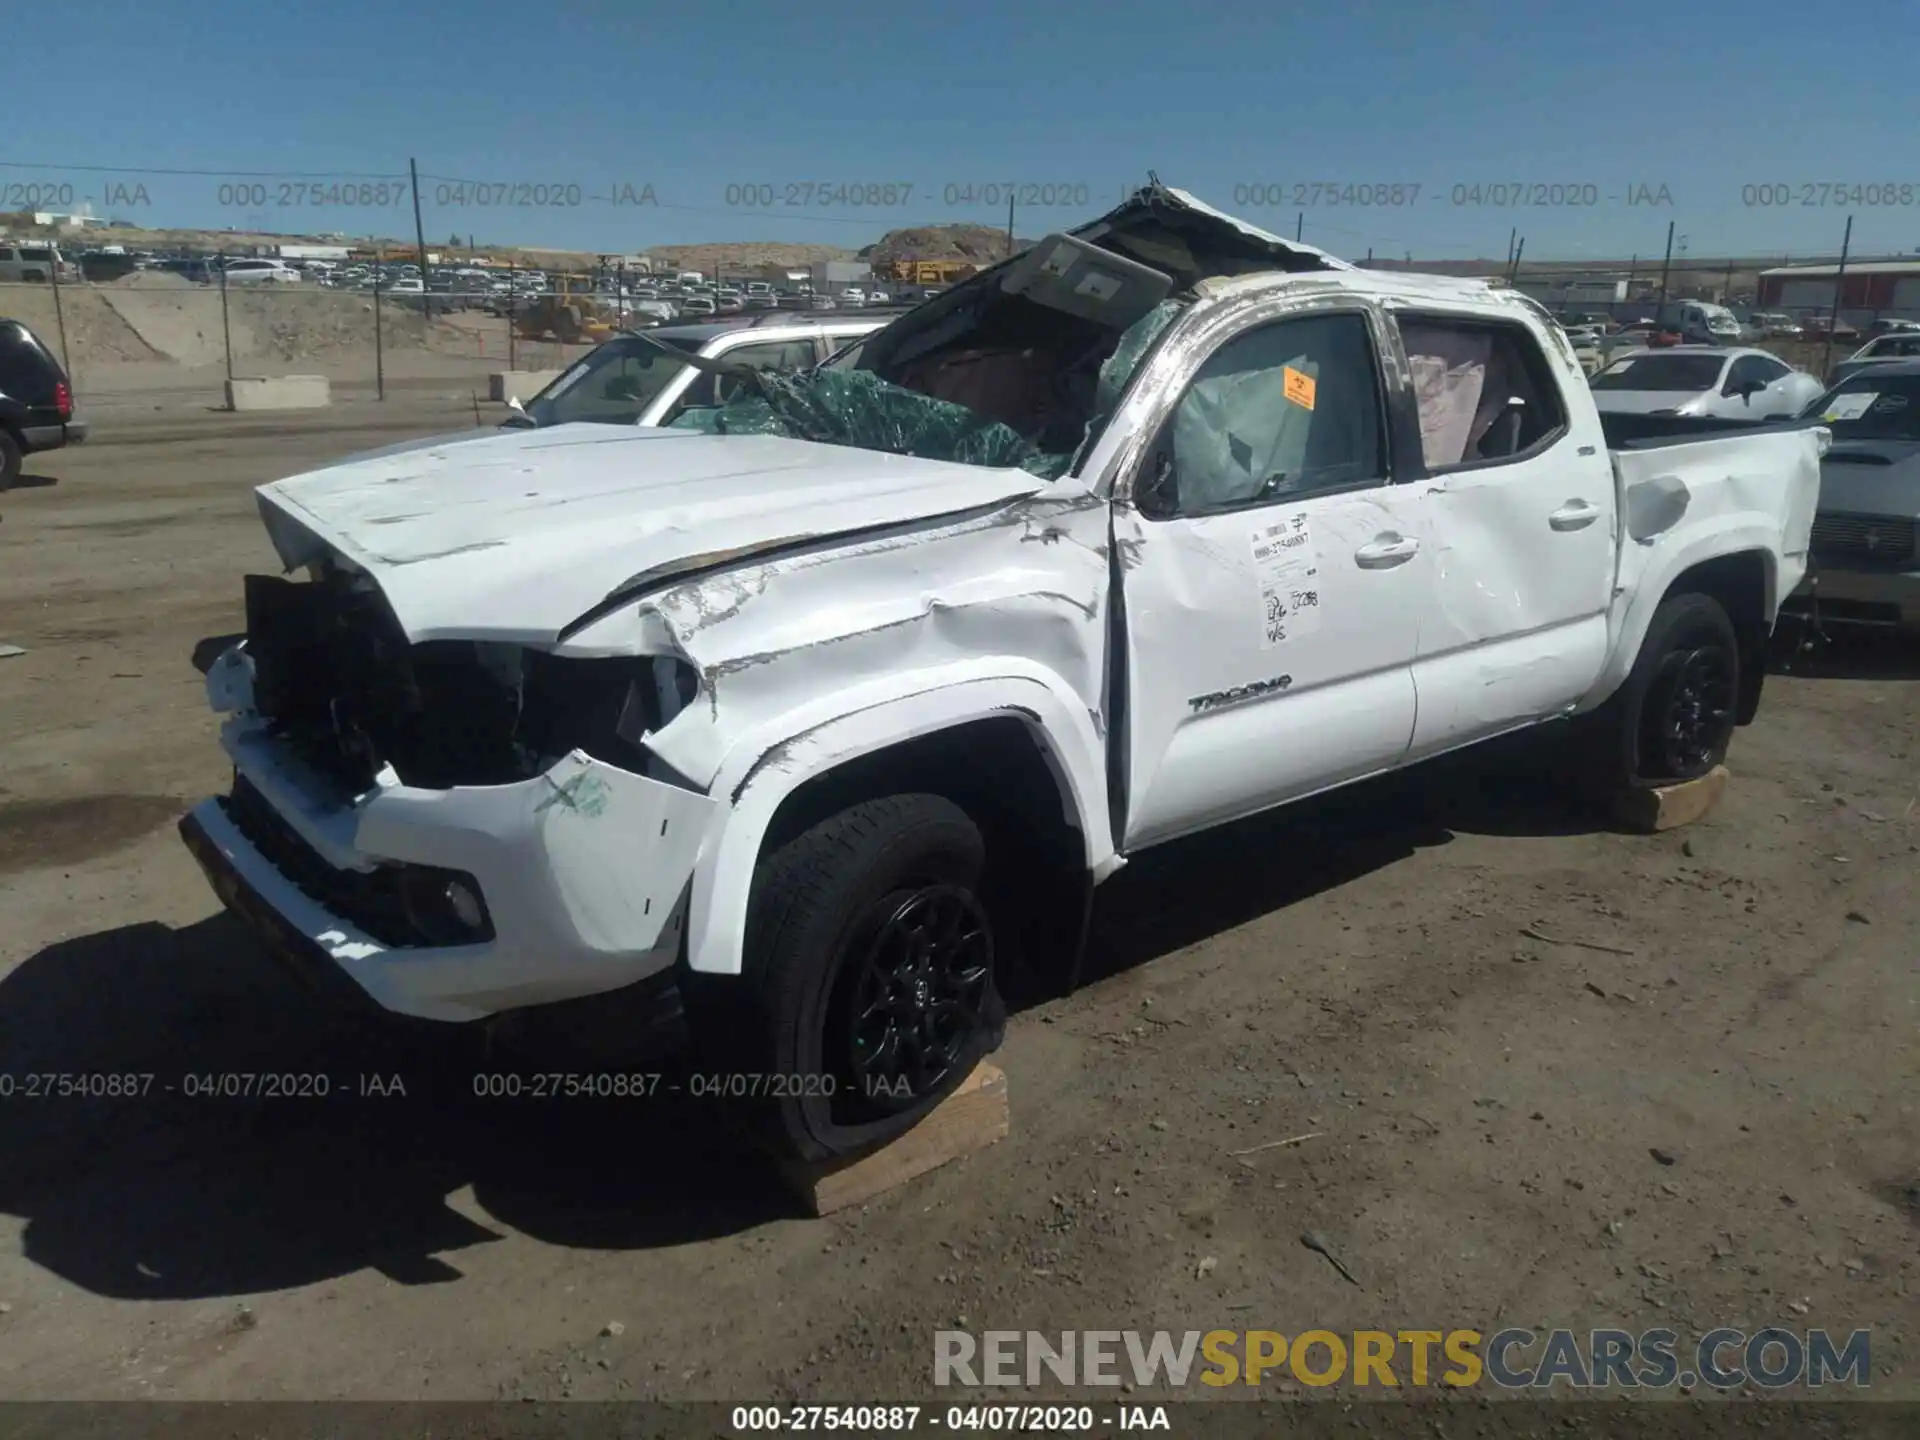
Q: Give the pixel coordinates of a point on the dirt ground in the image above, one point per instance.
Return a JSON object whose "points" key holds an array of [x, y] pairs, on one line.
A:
{"points": [[1484, 1103]]}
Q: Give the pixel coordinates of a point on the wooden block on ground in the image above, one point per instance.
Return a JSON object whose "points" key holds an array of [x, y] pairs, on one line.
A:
{"points": [[970, 1119], [1672, 805]]}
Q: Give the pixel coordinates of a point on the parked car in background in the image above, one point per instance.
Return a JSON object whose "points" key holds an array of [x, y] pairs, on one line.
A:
{"points": [[1819, 327], [630, 382], [36, 401], [1865, 557], [1703, 381], [261, 272], [1891, 345], [692, 305], [36, 265], [1886, 325]]}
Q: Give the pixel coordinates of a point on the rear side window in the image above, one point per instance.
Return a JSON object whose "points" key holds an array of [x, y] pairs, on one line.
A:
{"points": [[26, 372], [1485, 390]]}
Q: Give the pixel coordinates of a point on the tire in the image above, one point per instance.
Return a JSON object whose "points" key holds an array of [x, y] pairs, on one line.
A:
{"points": [[11, 460], [566, 324], [1674, 715], [850, 1028]]}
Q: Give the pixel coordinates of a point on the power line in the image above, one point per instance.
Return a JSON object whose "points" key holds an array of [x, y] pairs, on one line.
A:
{"points": [[209, 174]]}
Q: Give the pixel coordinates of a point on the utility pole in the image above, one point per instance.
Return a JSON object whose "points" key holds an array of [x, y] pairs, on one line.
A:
{"points": [[1839, 280], [1009, 226], [1513, 236], [226, 326], [379, 343], [1666, 265], [1299, 225], [420, 238], [1513, 268]]}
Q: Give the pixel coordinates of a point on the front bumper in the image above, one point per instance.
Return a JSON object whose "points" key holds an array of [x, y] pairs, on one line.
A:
{"points": [[584, 872]]}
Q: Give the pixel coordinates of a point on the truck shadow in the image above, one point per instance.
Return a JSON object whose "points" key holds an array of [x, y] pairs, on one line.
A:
{"points": [[172, 1194], [1186, 891]]}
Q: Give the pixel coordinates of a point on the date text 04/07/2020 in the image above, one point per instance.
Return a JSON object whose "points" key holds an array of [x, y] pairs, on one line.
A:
{"points": [[891, 194], [991, 1419], [641, 1085], [1466, 195]]}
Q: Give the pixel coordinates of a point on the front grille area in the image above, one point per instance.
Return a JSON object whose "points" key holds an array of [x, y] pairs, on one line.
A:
{"points": [[1874, 539], [375, 900], [336, 676]]}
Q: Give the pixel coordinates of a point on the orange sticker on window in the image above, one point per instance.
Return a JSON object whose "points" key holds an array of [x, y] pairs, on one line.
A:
{"points": [[1298, 386]]}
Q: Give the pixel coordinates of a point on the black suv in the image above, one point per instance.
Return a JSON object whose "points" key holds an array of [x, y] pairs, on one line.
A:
{"points": [[36, 402]]}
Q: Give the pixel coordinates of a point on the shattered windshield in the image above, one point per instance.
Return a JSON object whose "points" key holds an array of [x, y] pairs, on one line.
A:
{"points": [[612, 385], [840, 404]]}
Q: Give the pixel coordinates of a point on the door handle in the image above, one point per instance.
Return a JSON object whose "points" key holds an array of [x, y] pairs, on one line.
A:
{"points": [[1386, 551], [1574, 515]]}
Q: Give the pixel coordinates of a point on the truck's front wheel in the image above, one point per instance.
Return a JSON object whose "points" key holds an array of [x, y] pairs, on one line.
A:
{"points": [[1674, 715], [867, 991]]}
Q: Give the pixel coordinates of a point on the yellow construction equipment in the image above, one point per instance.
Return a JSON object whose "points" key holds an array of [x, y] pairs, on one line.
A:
{"points": [[571, 314]]}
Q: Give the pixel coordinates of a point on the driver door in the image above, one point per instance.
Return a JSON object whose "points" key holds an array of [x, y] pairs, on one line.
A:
{"points": [[1273, 578]]}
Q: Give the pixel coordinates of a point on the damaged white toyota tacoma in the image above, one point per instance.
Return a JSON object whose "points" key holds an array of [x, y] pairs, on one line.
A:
{"points": [[814, 723]]}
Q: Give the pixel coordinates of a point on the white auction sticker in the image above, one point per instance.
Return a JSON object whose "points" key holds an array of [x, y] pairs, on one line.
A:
{"points": [[1851, 406], [1286, 566]]}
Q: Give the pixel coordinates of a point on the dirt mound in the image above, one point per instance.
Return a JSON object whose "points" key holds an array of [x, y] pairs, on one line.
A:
{"points": [[980, 244], [94, 331]]}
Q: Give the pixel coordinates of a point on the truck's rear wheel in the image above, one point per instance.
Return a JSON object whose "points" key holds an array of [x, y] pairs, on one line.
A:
{"points": [[10, 459], [1674, 715], [868, 989]]}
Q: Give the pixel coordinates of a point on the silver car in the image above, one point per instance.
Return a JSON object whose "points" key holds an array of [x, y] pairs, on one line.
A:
{"points": [[1894, 345], [1703, 380]]}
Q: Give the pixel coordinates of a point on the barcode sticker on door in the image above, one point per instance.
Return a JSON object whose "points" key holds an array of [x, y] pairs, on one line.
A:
{"points": [[1286, 567]]}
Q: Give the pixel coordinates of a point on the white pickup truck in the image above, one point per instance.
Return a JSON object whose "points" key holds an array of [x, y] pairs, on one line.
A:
{"points": [[829, 743]]}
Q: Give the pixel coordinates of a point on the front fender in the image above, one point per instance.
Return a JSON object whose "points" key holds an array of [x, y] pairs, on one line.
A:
{"points": [[774, 759]]}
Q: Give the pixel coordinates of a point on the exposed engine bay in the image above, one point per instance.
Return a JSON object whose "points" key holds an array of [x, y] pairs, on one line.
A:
{"points": [[339, 682]]}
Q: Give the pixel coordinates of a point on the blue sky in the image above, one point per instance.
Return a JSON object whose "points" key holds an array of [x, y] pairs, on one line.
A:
{"points": [[719, 107]]}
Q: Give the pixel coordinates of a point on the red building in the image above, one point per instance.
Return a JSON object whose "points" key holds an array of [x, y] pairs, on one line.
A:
{"points": [[1872, 286]]}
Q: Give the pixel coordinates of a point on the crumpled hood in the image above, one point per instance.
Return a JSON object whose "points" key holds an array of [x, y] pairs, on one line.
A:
{"points": [[515, 536]]}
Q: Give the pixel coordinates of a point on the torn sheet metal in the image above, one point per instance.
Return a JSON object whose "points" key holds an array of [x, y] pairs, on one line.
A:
{"points": [[514, 537]]}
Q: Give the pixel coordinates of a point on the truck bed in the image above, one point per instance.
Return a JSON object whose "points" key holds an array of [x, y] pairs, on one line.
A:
{"points": [[1647, 432]]}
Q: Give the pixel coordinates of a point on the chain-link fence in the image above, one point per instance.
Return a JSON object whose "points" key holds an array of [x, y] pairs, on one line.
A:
{"points": [[162, 337], [172, 333]]}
